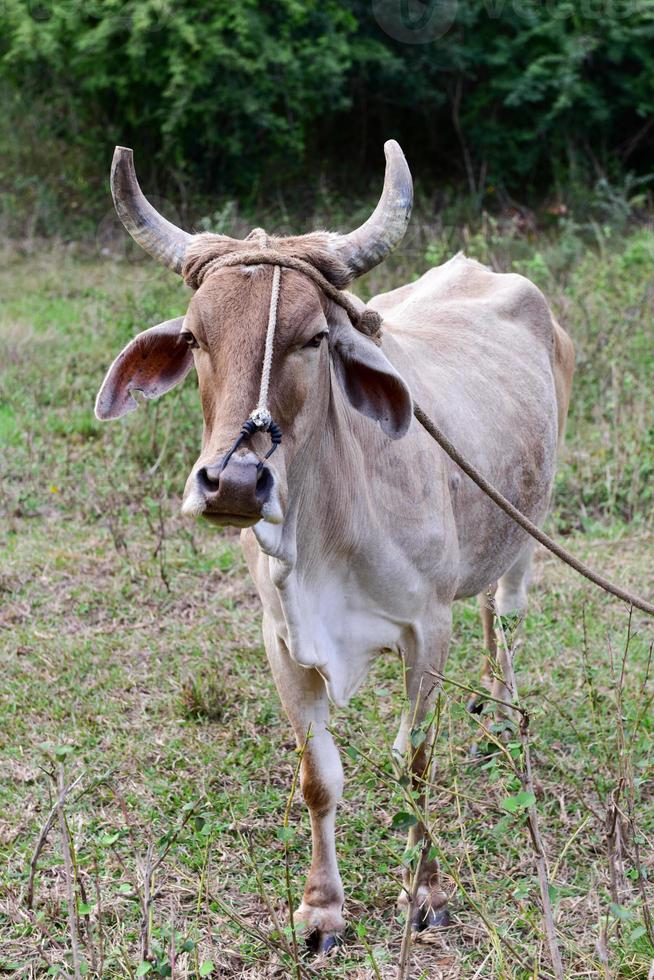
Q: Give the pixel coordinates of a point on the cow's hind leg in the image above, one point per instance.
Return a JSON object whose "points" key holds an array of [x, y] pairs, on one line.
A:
{"points": [[422, 895], [304, 697], [510, 597], [494, 670], [489, 668]]}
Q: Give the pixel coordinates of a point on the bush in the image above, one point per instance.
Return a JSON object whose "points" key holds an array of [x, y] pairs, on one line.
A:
{"points": [[244, 98]]}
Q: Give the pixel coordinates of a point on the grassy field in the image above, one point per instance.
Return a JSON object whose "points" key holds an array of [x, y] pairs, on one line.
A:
{"points": [[132, 666]]}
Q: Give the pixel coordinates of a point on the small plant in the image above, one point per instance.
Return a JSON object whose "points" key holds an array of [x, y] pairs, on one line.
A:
{"points": [[203, 697]]}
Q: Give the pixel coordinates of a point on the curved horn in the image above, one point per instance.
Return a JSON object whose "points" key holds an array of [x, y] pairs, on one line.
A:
{"points": [[160, 238], [368, 245]]}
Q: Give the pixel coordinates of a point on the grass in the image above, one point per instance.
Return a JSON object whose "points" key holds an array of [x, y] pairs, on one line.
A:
{"points": [[131, 657]]}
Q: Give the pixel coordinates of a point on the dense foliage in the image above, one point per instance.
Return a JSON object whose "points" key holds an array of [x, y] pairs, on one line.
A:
{"points": [[240, 98]]}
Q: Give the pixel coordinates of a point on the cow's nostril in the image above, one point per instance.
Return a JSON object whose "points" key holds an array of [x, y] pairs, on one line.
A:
{"points": [[209, 478], [264, 484]]}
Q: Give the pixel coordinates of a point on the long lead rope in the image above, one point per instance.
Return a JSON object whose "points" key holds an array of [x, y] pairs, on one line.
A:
{"points": [[498, 498]]}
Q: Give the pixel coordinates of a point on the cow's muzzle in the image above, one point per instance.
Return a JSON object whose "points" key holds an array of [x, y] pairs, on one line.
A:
{"points": [[241, 494]]}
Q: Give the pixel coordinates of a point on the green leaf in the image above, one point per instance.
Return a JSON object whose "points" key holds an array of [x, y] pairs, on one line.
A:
{"points": [[143, 968], [285, 833], [402, 821], [637, 934], [418, 736], [521, 801], [620, 912], [62, 751], [109, 839], [206, 968], [84, 909]]}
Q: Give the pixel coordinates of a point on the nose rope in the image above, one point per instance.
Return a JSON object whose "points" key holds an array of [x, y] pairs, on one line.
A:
{"points": [[260, 419]]}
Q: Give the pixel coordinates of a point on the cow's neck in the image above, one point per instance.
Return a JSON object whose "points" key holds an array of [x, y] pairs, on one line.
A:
{"points": [[330, 501]]}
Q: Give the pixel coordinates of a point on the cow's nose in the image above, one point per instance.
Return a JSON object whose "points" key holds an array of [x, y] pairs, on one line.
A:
{"points": [[240, 489]]}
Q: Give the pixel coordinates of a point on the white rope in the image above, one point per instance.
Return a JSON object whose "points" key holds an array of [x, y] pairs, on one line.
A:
{"points": [[261, 415]]}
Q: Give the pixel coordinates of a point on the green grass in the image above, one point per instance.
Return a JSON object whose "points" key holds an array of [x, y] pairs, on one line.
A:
{"points": [[131, 655]]}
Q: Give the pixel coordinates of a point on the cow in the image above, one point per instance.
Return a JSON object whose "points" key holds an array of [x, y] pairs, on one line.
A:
{"points": [[359, 532]]}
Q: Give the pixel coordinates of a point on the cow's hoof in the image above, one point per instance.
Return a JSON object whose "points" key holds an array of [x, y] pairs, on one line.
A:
{"points": [[427, 918], [322, 943], [429, 909], [322, 926]]}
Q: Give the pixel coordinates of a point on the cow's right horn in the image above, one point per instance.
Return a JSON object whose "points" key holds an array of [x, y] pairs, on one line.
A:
{"points": [[160, 238]]}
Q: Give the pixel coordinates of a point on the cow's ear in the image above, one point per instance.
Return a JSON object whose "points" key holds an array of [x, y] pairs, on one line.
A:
{"points": [[370, 382], [152, 363]]}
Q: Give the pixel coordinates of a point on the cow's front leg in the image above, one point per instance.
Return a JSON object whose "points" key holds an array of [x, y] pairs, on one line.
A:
{"points": [[422, 895], [304, 697]]}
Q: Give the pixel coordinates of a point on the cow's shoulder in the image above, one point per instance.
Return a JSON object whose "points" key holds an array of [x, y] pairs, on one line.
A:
{"points": [[464, 289]]}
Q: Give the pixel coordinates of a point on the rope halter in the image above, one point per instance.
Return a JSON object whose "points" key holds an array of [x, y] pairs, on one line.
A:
{"points": [[260, 419], [368, 322]]}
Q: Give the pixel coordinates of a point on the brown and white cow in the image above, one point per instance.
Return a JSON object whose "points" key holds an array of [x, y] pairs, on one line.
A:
{"points": [[359, 532]]}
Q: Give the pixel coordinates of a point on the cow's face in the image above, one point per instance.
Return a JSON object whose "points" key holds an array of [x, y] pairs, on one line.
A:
{"points": [[223, 334]]}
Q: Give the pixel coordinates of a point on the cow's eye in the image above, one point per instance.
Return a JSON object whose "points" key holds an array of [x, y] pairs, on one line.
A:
{"points": [[189, 339], [317, 340]]}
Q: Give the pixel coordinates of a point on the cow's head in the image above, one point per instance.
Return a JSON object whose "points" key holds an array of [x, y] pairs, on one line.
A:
{"points": [[223, 336]]}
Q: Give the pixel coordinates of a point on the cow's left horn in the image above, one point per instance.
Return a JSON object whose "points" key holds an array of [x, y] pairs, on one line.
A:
{"points": [[368, 245], [163, 240]]}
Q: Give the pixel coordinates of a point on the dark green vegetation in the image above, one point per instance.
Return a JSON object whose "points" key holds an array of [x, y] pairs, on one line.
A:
{"points": [[131, 656], [505, 99]]}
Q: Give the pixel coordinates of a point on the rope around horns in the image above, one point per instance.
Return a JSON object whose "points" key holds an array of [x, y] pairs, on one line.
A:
{"points": [[369, 322]]}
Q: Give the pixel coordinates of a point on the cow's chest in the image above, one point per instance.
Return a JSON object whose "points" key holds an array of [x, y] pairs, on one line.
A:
{"points": [[339, 622]]}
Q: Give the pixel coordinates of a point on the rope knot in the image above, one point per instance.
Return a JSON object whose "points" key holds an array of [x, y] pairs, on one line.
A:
{"points": [[370, 323], [261, 419], [260, 237]]}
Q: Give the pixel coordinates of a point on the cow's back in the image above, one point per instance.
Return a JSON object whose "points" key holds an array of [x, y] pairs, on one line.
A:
{"points": [[485, 358], [465, 288]]}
